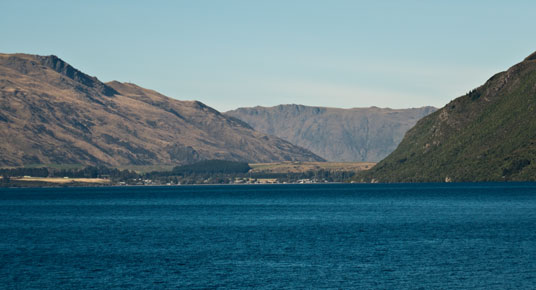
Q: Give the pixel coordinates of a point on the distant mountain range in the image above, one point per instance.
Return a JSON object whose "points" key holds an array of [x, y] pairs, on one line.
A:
{"points": [[51, 113], [359, 134], [488, 134]]}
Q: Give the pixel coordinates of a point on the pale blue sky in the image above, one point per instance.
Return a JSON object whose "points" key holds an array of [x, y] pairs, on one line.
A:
{"points": [[230, 54]]}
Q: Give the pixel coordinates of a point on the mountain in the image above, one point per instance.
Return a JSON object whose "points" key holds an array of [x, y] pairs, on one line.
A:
{"points": [[488, 134], [51, 113], [359, 134]]}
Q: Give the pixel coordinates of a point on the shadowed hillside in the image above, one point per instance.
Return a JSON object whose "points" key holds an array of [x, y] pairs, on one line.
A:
{"points": [[487, 135]]}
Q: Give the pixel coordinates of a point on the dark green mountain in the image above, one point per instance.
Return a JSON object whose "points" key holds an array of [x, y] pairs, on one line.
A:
{"points": [[487, 135]]}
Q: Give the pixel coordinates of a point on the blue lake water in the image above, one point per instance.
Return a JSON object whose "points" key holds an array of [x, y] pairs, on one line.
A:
{"points": [[413, 236]]}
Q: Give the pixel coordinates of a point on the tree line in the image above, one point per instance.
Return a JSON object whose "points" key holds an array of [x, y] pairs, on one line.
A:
{"points": [[204, 172]]}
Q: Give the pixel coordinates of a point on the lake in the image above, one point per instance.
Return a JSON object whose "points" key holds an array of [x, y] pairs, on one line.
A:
{"points": [[399, 236]]}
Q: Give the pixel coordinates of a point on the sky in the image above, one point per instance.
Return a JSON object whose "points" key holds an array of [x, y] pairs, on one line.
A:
{"points": [[230, 54]]}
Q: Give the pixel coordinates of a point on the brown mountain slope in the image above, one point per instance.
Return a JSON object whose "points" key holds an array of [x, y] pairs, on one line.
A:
{"points": [[358, 134], [51, 113]]}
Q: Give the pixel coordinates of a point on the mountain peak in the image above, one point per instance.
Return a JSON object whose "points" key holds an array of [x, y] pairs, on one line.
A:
{"points": [[25, 63], [531, 57], [60, 66]]}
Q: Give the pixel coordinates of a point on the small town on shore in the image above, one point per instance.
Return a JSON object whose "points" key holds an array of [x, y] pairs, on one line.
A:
{"points": [[204, 172]]}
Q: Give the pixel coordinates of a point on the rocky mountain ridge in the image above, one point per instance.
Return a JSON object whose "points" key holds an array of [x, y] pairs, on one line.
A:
{"points": [[358, 134]]}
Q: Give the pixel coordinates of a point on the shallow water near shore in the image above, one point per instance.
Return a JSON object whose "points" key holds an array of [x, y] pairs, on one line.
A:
{"points": [[429, 236]]}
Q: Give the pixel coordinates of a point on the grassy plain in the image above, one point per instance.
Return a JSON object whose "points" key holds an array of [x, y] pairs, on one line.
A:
{"points": [[297, 167], [61, 180]]}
